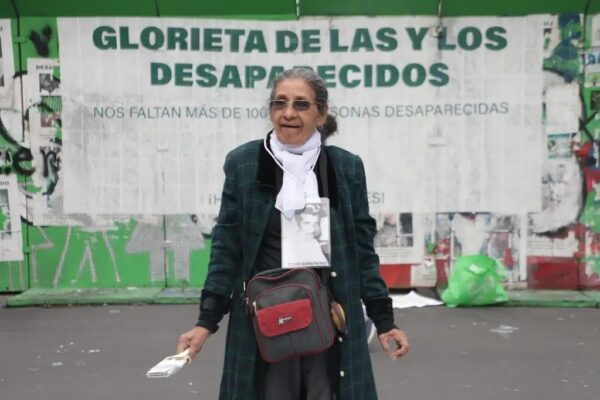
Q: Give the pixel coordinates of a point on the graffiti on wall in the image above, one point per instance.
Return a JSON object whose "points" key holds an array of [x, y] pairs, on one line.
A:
{"points": [[185, 234], [105, 251], [41, 40]]}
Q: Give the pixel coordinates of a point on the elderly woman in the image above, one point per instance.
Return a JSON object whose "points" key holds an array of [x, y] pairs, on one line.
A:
{"points": [[263, 180]]}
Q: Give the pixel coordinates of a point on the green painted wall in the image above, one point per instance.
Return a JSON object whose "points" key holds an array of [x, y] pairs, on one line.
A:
{"points": [[278, 8], [138, 254], [449, 8], [6, 9]]}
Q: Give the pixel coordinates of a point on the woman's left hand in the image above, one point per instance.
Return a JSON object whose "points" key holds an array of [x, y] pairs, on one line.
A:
{"points": [[401, 340]]}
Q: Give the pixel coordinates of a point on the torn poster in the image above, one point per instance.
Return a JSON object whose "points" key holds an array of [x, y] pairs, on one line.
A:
{"points": [[561, 196], [7, 67], [424, 274], [11, 242], [471, 232], [45, 126], [559, 145], [399, 238], [551, 34], [544, 246], [595, 28], [591, 67], [590, 216], [563, 108], [591, 271], [494, 235]]}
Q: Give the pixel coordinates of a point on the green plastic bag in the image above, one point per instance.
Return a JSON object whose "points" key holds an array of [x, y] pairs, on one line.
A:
{"points": [[475, 281]]}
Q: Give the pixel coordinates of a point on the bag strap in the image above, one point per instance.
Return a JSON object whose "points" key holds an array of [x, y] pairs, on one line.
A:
{"points": [[325, 186], [323, 173]]}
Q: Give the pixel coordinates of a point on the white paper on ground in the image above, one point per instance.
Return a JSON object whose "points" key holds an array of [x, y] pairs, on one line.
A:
{"points": [[413, 299]]}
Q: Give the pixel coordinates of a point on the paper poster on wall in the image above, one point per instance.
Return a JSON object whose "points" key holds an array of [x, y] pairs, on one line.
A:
{"points": [[503, 240], [45, 128], [544, 246], [152, 106], [11, 242], [7, 67], [471, 232], [591, 67], [559, 145], [495, 235], [439, 228], [562, 185], [595, 99], [551, 35], [424, 274], [563, 108], [591, 259], [399, 238], [595, 28]]}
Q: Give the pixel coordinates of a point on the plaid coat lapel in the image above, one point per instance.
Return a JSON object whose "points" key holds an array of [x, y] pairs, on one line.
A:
{"points": [[259, 201]]}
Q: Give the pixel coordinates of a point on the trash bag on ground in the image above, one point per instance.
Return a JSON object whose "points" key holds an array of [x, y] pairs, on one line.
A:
{"points": [[475, 280]]}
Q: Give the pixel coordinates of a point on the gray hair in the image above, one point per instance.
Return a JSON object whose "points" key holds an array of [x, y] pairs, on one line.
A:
{"points": [[318, 86]]}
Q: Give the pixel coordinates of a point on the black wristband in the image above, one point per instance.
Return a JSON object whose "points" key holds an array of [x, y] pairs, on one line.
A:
{"points": [[385, 326], [213, 307], [211, 326], [381, 313]]}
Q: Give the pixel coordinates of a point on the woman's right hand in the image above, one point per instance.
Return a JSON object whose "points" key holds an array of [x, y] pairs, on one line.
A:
{"points": [[193, 340]]}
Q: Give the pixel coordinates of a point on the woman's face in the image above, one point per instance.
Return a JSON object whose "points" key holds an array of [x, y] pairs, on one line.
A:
{"points": [[291, 126]]}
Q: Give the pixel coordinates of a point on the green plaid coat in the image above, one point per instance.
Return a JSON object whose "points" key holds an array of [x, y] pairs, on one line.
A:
{"points": [[247, 200]]}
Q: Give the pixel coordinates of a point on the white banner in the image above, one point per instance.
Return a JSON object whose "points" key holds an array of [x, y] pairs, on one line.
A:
{"points": [[448, 122]]}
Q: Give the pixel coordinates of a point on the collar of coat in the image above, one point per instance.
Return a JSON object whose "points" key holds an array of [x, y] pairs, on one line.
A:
{"points": [[267, 168]]}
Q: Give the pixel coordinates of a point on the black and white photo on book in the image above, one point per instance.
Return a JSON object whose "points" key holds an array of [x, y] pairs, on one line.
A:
{"points": [[305, 239]]}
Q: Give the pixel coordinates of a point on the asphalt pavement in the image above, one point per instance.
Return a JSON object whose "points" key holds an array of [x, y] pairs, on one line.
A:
{"points": [[489, 353]]}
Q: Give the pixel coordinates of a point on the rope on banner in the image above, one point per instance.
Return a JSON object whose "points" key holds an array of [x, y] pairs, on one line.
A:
{"points": [[586, 11], [439, 29]]}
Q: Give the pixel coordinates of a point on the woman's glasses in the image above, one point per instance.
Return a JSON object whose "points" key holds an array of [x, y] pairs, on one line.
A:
{"points": [[298, 105]]}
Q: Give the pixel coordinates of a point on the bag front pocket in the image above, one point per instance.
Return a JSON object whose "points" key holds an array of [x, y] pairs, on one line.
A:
{"points": [[290, 315], [285, 318]]}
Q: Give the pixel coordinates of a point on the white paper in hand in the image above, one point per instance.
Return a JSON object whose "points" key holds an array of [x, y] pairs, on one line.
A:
{"points": [[169, 366]]}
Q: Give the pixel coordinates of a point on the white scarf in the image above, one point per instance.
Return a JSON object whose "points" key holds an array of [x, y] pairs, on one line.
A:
{"points": [[299, 179]]}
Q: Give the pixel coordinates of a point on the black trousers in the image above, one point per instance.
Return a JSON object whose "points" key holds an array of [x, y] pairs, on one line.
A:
{"points": [[306, 378]]}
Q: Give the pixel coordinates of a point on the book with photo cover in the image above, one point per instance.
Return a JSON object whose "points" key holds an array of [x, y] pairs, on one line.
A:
{"points": [[305, 239], [169, 366]]}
